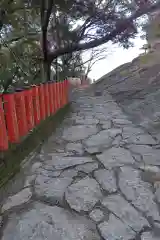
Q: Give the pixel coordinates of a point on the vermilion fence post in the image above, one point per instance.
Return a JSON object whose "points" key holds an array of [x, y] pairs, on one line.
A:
{"points": [[65, 97], [19, 97], [36, 104], [66, 90], [58, 95], [52, 101], [61, 97], [42, 102], [46, 99], [49, 98], [55, 97], [61, 84], [50, 88], [11, 118], [3, 130], [29, 108], [63, 92]]}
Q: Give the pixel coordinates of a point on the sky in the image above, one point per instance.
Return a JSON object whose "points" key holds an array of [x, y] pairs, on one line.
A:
{"points": [[116, 57]]}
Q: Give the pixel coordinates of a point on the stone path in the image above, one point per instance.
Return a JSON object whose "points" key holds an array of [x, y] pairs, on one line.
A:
{"points": [[96, 178]]}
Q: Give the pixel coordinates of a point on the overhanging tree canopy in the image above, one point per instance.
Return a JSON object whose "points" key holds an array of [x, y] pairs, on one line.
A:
{"points": [[35, 33]]}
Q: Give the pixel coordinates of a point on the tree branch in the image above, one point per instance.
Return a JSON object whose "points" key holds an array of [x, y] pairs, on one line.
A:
{"points": [[120, 27]]}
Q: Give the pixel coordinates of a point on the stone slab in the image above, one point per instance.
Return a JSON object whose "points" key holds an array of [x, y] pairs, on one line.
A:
{"points": [[129, 132], [83, 195], [106, 179], [102, 139], [123, 210], [51, 189], [75, 148], [45, 222], [61, 163], [138, 192], [121, 122], [106, 125], [142, 139], [87, 168], [18, 199], [87, 121], [115, 229], [115, 157], [77, 133], [96, 215], [149, 236], [149, 154]]}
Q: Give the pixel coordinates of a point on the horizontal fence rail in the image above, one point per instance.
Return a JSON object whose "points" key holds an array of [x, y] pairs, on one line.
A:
{"points": [[23, 110]]}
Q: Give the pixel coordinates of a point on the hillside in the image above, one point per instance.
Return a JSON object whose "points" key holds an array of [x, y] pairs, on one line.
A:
{"points": [[136, 87]]}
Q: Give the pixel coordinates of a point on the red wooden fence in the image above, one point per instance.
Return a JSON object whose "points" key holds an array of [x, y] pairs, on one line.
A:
{"points": [[21, 111]]}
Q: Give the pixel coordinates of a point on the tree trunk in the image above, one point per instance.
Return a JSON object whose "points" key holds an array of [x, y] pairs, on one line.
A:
{"points": [[46, 71]]}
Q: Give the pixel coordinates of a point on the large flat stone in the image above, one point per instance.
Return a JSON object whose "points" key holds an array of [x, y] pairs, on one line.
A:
{"points": [[141, 149], [87, 121], [149, 169], [115, 229], [29, 180], [96, 215], [51, 189], [133, 135], [129, 132], [48, 172], [16, 200], [149, 155], [45, 222], [93, 150], [81, 132], [83, 195], [61, 162], [87, 168], [115, 157], [157, 193], [69, 173], [103, 139], [149, 236], [106, 179], [142, 139], [117, 114], [102, 117], [117, 141], [123, 210], [138, 192], [75, 148], [35, 167], [121, 122], [113, 132], [106, 124]]}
